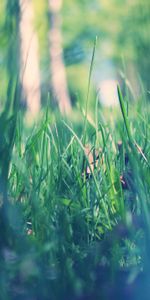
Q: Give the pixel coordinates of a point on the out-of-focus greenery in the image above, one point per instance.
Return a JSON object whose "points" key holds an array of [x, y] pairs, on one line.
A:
{"points": [[127, 24], [122, 28]]}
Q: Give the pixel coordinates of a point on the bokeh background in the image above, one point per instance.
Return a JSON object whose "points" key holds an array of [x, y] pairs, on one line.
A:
{"points": [[47, 45]]}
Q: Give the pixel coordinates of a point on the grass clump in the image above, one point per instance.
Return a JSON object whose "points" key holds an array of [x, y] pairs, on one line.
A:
{"points": [[75, 215]]}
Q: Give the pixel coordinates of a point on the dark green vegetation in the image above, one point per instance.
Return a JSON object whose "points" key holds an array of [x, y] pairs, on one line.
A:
{"points": [[75, 223]]}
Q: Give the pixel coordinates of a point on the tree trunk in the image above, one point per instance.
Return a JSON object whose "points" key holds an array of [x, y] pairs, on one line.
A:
{"points": [[30, 73], [58, 73]]}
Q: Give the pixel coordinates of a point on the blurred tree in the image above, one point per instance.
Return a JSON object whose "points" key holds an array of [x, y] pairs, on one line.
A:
{"points": [[41, 26], [58, 72], [30, 72], [122, 28]]}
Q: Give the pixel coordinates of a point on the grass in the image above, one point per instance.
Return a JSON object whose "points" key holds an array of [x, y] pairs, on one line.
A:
{"points": [[74, 230]]}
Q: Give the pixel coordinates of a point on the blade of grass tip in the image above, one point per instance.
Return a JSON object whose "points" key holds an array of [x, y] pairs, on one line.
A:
{"points": [[52, 138], [128, 86], [42, 152], [104, 140], [89, 119], [91, 170], [88, 91], [96, 121], [142, 153], [124, 114]]}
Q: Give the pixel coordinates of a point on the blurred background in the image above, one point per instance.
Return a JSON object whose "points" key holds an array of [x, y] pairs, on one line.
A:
{"points": [[47, 47]]}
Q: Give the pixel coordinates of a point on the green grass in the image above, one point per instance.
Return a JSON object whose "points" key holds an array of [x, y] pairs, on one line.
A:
{"points": [[74, 230]]}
